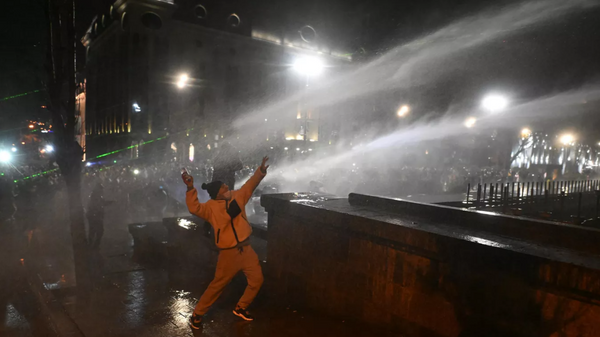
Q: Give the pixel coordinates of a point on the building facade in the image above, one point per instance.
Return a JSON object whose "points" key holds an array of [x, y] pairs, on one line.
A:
{"points": [[554, 154], [183, 71]]}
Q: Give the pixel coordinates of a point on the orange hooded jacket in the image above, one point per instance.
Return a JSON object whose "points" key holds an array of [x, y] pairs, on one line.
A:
{"points": [[215, 212]]}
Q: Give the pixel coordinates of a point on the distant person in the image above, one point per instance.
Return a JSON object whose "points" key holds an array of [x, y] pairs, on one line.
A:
{"points": [[13, 281], [226, 163], [28, 205], [8, 207], [226, 213], [95, 215]]}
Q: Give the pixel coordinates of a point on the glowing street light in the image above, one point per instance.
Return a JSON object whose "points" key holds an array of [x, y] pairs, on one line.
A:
{"points": [[31, 126], [5, 156], [403, 110], [470, 122], [494, 103], [567, 139], [49, 148], [136, 107], [182, 81], [136, 171], [13, 149], [309, 66], [525, 133]]}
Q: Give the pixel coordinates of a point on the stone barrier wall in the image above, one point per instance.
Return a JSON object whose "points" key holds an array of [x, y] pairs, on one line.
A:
{"points": [[423, 275]]}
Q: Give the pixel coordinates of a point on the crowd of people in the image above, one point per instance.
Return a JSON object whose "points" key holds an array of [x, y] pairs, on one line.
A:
{"points": [[140, 190], [145, 190]]}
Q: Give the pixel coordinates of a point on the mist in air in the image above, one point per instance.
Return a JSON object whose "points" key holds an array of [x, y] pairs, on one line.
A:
{"points": [[423, 61]]}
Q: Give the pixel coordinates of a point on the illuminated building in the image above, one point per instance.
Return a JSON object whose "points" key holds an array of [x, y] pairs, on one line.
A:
{"points": [[138, 51]]}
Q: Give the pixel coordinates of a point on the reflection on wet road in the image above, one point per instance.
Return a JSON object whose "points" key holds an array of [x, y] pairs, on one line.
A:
{"points": [[145, 303]]}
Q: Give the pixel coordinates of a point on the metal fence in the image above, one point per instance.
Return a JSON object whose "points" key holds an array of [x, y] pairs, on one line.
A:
{"points": [[569, 201]]}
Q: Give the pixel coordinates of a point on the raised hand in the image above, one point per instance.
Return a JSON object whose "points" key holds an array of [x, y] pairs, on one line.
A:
{"points": [[263, 167], [188, 180]]}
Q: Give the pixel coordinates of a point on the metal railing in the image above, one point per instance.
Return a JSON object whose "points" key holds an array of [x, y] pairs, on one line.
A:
{"points": [[555, 200]]}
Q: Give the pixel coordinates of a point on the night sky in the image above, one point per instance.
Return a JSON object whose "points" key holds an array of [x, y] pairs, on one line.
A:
{"points": [[549, 58]]}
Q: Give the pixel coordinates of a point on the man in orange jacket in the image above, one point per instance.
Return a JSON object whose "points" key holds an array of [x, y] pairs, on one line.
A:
{"points": [[226, 214]]}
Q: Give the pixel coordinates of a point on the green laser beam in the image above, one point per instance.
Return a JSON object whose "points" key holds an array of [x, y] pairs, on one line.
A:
{"points": [[35, 175], [18, 95], [128, 148], [103, 155], [144, 143]]}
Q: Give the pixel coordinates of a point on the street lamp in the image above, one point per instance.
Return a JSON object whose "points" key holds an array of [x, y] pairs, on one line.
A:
{"points": [[182, 81], [309, 66], [525, 133], [470, 122], [13, 149], [567, 139], [4, 156], [136, 107], [494, 103], [403, 110], [49, 148]]}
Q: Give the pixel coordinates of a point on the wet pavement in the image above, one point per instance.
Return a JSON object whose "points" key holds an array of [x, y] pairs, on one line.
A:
{"points": [[131, 298], [21, 317], [20, 313], [145, 302]]}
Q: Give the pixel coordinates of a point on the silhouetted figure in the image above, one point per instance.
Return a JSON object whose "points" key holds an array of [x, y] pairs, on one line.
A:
{"points": [[13, 282], [95, 216], [8, 207], [226, 163]]}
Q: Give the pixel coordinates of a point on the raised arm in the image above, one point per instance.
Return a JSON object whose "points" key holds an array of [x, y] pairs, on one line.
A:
{"points": [[191, 198], [250, 185], [194, 206]]}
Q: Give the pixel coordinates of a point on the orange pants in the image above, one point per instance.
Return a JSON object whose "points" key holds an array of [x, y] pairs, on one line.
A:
{"points": [[230, 262]]}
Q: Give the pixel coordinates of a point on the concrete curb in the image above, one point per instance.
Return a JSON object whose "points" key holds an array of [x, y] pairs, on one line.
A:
{"points": [[59, 319]]}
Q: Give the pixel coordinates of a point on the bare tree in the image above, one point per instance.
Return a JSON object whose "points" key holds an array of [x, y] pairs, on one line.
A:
{"points": [[524, 144], [61, 86]]}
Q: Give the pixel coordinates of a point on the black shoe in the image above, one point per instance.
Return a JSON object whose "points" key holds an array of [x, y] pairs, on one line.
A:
{"points": [[196, 321], [240, 312]]}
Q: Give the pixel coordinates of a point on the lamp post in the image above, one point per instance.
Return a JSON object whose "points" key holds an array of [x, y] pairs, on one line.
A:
{"points": [[567, 140], [182, 82], [307, 66], [494, 103]]}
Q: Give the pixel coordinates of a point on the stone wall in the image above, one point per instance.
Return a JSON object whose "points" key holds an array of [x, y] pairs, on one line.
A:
{"points": [[425, 277]]}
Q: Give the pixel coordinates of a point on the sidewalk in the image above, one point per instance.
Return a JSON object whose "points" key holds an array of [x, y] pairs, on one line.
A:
{"points": [[138, 301], [21, 317], [134, 299]]}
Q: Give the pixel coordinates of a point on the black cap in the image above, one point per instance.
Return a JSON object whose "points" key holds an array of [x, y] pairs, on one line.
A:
{"points": [[212, 188]]}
